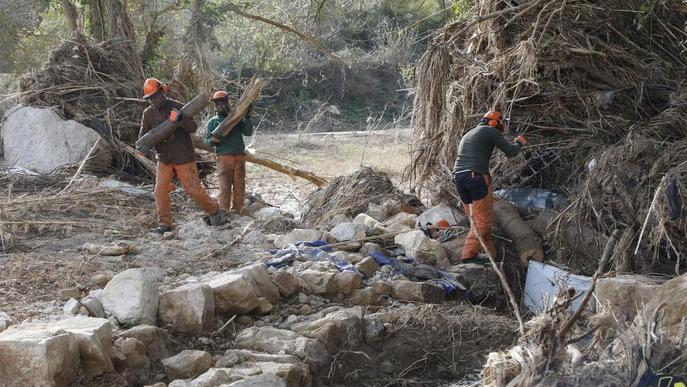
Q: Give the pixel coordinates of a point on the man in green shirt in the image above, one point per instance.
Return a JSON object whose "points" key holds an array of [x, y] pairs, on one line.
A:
{"points": [[231, 155]]}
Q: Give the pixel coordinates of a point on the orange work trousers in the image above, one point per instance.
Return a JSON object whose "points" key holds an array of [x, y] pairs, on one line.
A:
{"points": [[188, 177], [471, 186], [231, 174]]}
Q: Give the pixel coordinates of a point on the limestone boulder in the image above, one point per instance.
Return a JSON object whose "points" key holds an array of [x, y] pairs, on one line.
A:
{"points": [[671, 299], [365, 220], [318, 282], [187, 364], [264, 380], [94, 306], [5, 321], [257, 277], [32, 355], [278, 341], [416, 291], [367, 266], [233, 294], [157, 341], [286, 282], [132, 297], [94, 339], [338, 330], [130, 353], [188, 309], [347, 281], [38, 139]]}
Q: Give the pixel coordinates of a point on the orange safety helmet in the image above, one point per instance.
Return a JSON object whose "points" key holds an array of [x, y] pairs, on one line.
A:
{"points": [[220, 96], [151, 86], [493, 119], [442, 224]]}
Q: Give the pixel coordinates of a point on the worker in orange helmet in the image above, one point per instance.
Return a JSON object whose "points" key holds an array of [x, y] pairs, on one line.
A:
{"points": [[174, 155], [472, 179], [231, 154]]}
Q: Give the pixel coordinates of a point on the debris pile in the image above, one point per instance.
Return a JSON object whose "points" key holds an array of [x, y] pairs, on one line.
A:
{"points": [[568, 76]]}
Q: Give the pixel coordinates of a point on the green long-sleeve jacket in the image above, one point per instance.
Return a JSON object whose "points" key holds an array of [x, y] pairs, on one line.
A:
{"points": [[233, 143]]}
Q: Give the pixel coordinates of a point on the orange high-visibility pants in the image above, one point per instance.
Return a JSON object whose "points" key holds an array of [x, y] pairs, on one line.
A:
{"points": [[188, 177], [477, 191], [231, 174]]}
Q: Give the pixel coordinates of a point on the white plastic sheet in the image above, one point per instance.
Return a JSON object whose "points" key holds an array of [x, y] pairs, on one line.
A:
{"points": [[544, 282]]}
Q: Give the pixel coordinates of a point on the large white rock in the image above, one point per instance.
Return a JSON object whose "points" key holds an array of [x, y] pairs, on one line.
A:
{"points": [[94, 337], [277, 341], [416, 244], [348, 231], [38, 139], [132, 297], [188, 309], [365, 220], [450, 214], [233, 294], [32, 355], [342, 329]]}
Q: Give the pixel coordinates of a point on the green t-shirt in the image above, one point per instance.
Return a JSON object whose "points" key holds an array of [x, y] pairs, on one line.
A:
{"points": [[233, 143]]}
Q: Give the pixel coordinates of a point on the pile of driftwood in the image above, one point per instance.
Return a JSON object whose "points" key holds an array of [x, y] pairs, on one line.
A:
{"points": [[597, 90]]}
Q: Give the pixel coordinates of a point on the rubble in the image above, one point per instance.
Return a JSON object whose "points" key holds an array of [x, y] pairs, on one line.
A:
{"points": [[452, 215], [68, 293], [338, 330], [367, 266], [364, 297], [93, 305], [187, 364], [94, 339], [481, 281], [625, 294], [417, 245], [286, 283], [347, 282], [318, 282], [257, 277], [369, 248], [297, 235], [132, 297], [188, 309], [365, 220], [71, 307], [348, 231], [5, 321]]}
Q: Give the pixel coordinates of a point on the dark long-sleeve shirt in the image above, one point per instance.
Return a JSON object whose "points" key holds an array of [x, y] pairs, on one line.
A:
{"points": [[233, 143], [477, 146], [178, 148]]}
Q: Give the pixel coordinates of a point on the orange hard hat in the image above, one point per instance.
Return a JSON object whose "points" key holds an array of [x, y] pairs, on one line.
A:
{"points": [[442, 223], [493, 118], [220, 96], [152, 86]]}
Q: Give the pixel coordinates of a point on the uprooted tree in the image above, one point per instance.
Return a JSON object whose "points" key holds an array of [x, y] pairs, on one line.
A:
{"points": [[597, 88]]}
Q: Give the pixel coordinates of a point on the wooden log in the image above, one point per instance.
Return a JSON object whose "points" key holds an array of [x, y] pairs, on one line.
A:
{"points": [[198, 143], [250, 94], [527, 243], [167, 128]]}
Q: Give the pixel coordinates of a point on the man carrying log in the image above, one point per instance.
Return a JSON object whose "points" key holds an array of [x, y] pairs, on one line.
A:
{"points": [[231, 155], [471, 176], [174, 154]]}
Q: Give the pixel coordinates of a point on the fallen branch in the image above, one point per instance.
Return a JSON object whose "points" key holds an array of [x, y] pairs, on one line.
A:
{"points": [[226, 324], [83, 162], [167, 128], [250, 94]]}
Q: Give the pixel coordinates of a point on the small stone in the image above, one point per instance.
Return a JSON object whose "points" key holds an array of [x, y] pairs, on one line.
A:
{"points": [[364, 297], [233, 294], [355, 258], [382, 288], [156, 340], [417, 291], [368, 267], [187, 364], [303, 298], [129, 353], [5, 321], [373, 329], [72, 307], [84, 312], [369, 248], [93, 305], [306, 310], [188, 309], [317, 282], [347, 281], [263, 307], [68, 293], [100, 279], [169, 235], [348, 231], [291, 319], [244, 320], [366, 220]]}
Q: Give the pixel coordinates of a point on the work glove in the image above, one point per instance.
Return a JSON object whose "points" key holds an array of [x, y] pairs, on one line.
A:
{"points": [[521, 140], [175, 116]]}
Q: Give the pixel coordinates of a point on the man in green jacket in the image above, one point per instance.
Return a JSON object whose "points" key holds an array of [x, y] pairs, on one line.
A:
{"points": [[231, 155]]}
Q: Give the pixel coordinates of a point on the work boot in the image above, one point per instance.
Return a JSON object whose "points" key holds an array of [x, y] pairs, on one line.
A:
{"points": [[217, 219], [163, 229]]}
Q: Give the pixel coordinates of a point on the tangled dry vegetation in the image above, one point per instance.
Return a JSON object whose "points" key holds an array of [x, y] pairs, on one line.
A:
{"points": [[593, 87]]}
